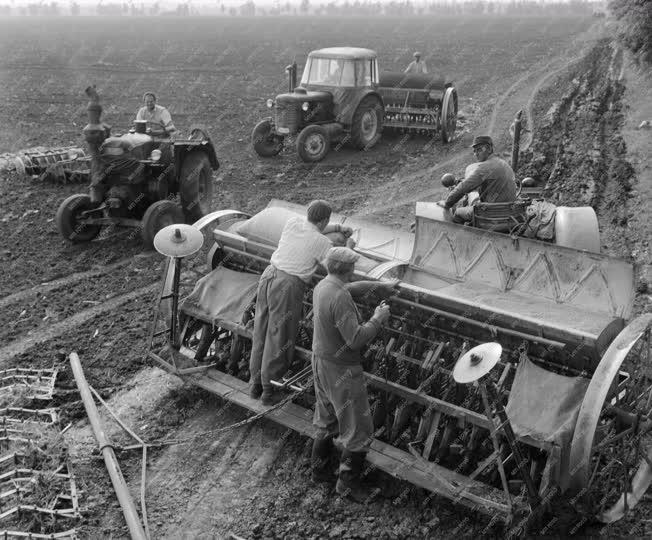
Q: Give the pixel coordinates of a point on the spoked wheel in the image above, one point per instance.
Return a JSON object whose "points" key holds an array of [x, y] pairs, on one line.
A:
{"points": [[448, 115], [611, 451]]}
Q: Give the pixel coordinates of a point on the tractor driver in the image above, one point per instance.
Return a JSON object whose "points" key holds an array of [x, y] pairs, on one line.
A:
{"points": [[417, 65], [159, 121], [491, 177]]}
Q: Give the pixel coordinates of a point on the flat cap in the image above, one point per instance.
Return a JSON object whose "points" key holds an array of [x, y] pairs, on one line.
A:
{"points": [[341, 254], [416, 53], [481, 139], [318, 210], [149, 94]]}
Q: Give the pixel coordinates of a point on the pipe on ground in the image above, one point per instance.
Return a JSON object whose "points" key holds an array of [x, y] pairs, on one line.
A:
{"points": [[112, 466]]}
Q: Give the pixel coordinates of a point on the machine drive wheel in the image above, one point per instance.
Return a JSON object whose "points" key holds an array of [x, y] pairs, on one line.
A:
{"points": [[448, 114], [266, 143], [196, 186], [367, 123], [158, 215], [610, 464], [68, 219], [313, 143]]}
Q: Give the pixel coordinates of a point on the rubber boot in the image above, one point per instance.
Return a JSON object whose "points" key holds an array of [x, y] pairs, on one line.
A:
{"points": [[255, 390], [349, 481], [270, 396], [321, 451]]}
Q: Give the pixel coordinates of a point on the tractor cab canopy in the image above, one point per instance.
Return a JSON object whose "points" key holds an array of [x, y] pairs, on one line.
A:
{"points": [[341, 67]]}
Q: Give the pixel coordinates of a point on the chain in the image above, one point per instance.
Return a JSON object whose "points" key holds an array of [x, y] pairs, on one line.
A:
{"points": [[246, 421]]}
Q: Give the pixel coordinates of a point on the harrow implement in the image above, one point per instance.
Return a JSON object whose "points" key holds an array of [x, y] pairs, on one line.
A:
{"points": [[56, 165], [574, 384]]}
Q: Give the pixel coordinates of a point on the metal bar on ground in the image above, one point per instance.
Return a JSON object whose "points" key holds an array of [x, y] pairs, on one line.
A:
{"points": [[112, 466]]}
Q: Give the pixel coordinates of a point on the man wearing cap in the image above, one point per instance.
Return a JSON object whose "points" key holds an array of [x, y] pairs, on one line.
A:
{"points": [[491, 177], [279, 300], [417, 65], [341, 402], [159, 120]]}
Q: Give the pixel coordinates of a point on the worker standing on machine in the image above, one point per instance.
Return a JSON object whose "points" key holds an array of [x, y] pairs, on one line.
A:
{"points": [[342, 405], [279, 300]]}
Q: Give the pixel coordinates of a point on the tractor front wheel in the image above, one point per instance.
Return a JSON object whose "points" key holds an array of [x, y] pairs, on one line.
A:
{"points": [[265, 142], [157, 216], [196, 186], [367, 123], [313, 143], [70, 221]]}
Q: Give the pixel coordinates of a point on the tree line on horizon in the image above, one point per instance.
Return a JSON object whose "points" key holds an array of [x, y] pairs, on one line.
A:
{"points": [[306, 7]]}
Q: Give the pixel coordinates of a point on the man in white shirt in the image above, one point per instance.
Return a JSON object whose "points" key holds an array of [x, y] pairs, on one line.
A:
{"points": [[417, 66], [159, 120], [279, 300]]}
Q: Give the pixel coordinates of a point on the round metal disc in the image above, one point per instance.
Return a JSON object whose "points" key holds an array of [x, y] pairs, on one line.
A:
{"points": [[178, 240], [477, 362]]}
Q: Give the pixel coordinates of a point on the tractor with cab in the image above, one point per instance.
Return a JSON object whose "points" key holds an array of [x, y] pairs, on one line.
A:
{"points": [[343, 98]]}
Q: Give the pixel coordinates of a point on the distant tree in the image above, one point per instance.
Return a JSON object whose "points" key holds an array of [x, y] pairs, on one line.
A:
{"points": [[74, 9], [305, 6], [222, 9], [635, 26]]}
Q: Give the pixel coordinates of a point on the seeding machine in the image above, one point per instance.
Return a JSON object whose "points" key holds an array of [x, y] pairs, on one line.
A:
{"points": [[564, 410]]}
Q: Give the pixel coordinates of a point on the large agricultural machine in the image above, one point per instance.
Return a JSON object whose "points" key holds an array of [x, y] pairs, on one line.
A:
{"points": [[343, 98], [565, 410], [136, 179]]}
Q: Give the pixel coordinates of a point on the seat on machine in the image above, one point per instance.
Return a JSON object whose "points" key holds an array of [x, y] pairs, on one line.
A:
{"points": [[500, 217]]}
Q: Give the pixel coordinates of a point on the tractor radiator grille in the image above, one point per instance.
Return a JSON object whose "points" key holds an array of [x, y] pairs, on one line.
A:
{"points": [[287, 117]]}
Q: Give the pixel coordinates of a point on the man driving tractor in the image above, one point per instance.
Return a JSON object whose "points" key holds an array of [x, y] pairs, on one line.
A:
{"points": [[491, 177], [159, 120]]}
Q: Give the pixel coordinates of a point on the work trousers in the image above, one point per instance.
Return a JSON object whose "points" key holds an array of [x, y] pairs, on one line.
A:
{"points": [[279, 304], [342, 404]]}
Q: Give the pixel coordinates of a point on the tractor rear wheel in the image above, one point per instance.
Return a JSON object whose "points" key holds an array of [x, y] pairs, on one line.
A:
{"points": [[196, 186], [367, 123], [313, 143], [266, 143], [448, 115], [158, 215], [69, 222]]}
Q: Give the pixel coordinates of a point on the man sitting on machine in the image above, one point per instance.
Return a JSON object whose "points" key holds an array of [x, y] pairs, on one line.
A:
{"points": [[491, 177], [159, 120]]}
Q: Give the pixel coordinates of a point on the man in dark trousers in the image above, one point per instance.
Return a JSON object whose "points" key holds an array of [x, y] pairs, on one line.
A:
{"points": [[491, 177], [342, 405], [279, 300]]}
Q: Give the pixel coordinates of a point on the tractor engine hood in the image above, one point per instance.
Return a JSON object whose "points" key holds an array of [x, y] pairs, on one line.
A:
{"points": [[117, 146], [300, 95]]}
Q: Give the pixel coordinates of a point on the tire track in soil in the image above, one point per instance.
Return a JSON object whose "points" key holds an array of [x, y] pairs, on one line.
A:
{"points": [[22, 345], [69, 280]]}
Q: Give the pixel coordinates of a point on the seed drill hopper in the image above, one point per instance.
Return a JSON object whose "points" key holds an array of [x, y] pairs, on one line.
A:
{"points": [[571, 392]]}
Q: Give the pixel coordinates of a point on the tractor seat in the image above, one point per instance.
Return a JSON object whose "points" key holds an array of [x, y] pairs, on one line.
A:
{"points": [[500, 217]]}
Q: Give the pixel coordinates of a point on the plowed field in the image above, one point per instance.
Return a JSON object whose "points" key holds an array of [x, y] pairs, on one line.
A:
{"points": [[96, 299]]}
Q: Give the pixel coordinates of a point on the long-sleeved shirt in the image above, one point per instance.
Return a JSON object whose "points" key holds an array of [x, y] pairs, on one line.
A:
{"points": [[158, 120], [493, 179], [338, 334], [416, 67]]}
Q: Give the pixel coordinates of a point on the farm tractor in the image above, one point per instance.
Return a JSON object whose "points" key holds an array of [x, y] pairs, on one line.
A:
{"points": [[342, 98], [135, 180]]}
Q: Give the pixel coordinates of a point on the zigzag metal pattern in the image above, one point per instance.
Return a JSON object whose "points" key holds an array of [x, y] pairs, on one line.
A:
{"points": [[539, 277]]}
